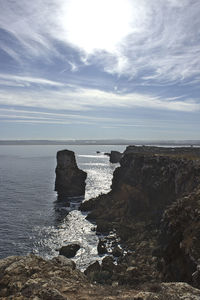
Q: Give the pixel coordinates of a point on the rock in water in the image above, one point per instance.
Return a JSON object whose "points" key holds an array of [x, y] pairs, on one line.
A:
{"points": [[69, 251], [101, 247], [70, 180], [115, 157]]}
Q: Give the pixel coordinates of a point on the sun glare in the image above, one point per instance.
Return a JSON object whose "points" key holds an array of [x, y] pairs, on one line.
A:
{"points": [[96, 24]]}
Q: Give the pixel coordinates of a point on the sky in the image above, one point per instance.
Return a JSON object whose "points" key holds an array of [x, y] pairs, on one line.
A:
{"points": [[100, 69]]}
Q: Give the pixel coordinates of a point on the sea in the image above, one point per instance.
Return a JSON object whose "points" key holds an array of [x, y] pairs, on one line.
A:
{"points": [[31, 218]]}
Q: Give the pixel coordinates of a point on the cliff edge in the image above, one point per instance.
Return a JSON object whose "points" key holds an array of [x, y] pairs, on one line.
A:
{"points": [[154, 208]]}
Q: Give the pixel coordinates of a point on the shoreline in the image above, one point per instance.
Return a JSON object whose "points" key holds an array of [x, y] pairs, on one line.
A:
{"points": [[154, 209]]}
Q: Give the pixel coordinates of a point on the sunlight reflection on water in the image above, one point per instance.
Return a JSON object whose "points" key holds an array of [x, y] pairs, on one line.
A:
{"points": [[72, 227], [31, 218]]}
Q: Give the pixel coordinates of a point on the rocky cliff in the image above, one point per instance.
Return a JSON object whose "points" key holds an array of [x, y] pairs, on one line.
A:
{"points": [[179, 240], [154, 208], [145, 185], [70, 180], [154, 211]]}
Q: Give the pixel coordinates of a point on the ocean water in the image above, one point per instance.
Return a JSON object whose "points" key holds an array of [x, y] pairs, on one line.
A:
{"points": [[31, 220]]}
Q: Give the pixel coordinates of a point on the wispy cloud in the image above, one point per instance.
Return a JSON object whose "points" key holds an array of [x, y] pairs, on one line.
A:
{"points": [[167, 45], [159, 38], [82, 99], [30, 114], [14, 80]]}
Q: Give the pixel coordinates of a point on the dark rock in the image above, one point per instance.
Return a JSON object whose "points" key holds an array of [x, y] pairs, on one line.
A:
{"points": [[115, 157], [103, 227], [69, 251], [117, 252], [108, 264], [102, 277], [93, 268], [101, 247], [189, 152], [145, 185], [70, 180], [107, 154], [92, 271], [154, 195], [88, 205], [180, 239]]}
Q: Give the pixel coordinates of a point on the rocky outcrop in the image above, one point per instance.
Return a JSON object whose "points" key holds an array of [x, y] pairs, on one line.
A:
{"points": [[115, 157], [191, 152], [70, 250], [101, 247], [145, 185], [154, 208], [180, 240], [31, 277], [70, 180]]}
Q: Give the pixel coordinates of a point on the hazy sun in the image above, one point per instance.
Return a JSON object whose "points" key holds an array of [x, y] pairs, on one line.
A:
{"points": [[96, 24]]}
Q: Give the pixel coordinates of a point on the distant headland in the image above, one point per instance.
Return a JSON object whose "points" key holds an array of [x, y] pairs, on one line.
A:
{"points": [[102, 142]]}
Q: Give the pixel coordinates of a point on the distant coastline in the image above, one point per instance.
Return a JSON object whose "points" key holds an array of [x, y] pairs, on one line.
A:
{"points": [[102, 142]]}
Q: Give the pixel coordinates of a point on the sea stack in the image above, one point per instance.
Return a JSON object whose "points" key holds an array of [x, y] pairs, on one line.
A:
{"points": [[70, 180], [115, 157]]}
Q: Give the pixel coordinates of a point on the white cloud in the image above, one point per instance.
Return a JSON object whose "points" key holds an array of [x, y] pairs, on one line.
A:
{"points": [[167, 46], [158, 39], [82, 99], [24, 113], [14, 80]]}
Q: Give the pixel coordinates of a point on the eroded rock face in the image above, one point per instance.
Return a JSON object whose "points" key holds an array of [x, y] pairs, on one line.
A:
{"points": [[146, 185], [180, 240], [70, 180], [154, 208]]}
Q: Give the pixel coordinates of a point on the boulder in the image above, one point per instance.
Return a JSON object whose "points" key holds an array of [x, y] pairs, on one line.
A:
{"points": [[108, 264], [69, 251], [101, 247], [115, 156], [92, 269], [70, 180], [117, 252]]}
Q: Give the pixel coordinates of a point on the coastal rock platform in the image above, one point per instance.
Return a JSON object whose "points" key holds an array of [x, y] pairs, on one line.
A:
{"points": [[31, 277]]}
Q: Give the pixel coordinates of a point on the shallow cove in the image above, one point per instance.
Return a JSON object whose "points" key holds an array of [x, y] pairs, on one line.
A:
{"points": [[31, 219]]}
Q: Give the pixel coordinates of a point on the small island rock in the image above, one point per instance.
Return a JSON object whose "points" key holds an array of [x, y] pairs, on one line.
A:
{"points": [[69, 251], [115, 157], [70, 180]]}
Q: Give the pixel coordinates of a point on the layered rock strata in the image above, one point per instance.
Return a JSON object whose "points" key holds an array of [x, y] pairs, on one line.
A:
{"points": [[70, 180]]}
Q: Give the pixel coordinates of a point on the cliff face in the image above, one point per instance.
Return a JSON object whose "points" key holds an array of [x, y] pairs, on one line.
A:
{"points": [[180, 240], [154, 205], [146, 184], [70, 180]]}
